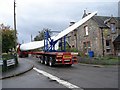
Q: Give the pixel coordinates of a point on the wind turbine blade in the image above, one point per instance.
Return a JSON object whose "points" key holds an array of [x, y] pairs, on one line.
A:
{"points": [[39, 44], [74, 26]]}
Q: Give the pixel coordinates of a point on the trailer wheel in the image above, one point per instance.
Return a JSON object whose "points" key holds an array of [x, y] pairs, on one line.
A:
{"points": [[51, 63], [42, 60], [46, 60]]}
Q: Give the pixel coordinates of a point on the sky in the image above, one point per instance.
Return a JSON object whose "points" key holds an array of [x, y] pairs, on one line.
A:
{"points": [[34, 15]]}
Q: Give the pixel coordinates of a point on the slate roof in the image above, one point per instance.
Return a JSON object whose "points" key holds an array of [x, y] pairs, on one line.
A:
{"points": [[100, 20], [117, 39]]}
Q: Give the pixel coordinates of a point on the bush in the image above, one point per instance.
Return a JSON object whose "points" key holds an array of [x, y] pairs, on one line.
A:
{"points": [[6, 56], [74, 50]]}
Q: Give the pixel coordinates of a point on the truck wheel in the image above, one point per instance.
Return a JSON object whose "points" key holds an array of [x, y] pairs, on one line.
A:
{"points": [[51, 62], [46, 60], [41, 61]]}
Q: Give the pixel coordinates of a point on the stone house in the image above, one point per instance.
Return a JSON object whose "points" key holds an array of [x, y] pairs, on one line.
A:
{"points": [[98, 34]]}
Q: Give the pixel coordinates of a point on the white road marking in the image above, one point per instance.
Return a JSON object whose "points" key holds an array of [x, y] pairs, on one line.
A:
{"points": [[63, 82]]}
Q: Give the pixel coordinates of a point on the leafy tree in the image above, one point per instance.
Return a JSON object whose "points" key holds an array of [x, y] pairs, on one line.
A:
{"points": [[40, 36], [8, 38]]}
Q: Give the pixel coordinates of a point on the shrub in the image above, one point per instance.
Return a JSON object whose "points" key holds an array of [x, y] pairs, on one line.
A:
{"points": [[6, 56]]}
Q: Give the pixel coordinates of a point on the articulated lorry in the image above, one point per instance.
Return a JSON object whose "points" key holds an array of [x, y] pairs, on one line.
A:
{"points": [[49, 55]]}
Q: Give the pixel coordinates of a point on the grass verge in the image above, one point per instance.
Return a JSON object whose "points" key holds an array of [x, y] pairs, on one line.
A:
{"points": [[108, 60]]}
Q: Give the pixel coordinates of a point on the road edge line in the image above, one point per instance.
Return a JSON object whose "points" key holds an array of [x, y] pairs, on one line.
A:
{"points": [[60, 81]]}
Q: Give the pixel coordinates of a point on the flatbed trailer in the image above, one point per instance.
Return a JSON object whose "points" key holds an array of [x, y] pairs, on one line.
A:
{"points": [[52, 58], [56, 58]]}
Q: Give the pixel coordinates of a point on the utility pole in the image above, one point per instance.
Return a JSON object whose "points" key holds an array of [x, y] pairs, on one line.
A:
{"points": [[15, 53], [31, 38], [15, 26]]}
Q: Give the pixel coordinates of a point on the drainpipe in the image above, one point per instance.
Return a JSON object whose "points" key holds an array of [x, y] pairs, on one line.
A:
{"points": [[102, 42], [76, 40]]}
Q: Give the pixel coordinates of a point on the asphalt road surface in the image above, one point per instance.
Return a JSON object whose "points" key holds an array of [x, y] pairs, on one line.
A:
{"points": [[76, 76]]}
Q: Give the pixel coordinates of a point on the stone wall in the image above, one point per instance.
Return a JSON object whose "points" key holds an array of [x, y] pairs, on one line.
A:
{"points": [[95, 38]]}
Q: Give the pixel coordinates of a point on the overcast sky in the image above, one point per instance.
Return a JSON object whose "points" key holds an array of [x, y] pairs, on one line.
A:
{"points": [[34, 15]]}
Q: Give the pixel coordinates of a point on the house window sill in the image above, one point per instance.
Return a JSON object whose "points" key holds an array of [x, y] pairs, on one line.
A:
{"points": [[85, 35], [113, 32]]}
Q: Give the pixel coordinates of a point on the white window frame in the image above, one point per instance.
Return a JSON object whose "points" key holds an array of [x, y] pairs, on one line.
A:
{"points": [[113, 27], [86, 30]]}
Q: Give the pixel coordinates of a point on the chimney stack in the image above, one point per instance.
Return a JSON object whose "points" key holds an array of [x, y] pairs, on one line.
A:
{"points": [[71, 23], [85, 14]]}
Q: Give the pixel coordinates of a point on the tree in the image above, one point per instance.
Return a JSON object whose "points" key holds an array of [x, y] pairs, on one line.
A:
{"points": [[8, 38], [40, 36]]}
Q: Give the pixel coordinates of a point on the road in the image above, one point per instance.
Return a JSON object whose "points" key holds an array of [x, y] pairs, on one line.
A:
{"points": [[79, 76]]}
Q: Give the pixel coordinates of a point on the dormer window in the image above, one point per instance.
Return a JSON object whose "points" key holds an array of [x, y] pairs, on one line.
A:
{"points": [[113, 27]]}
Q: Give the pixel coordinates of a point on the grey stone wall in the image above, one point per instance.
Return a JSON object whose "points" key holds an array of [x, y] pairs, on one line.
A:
{"points": [[109, 35], [94, 36]]}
